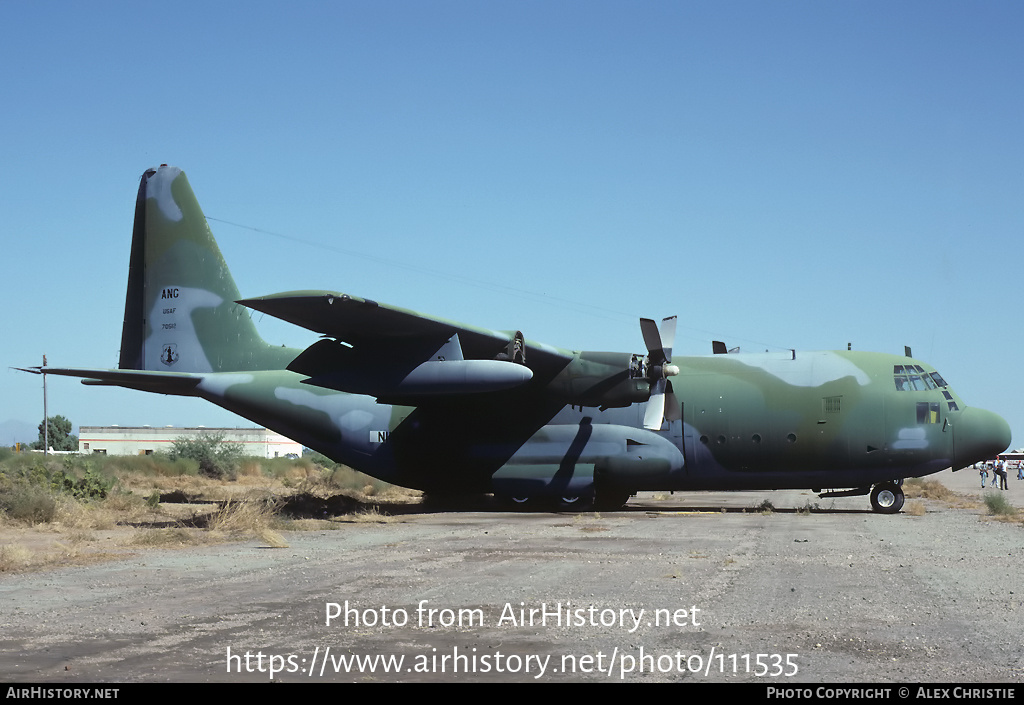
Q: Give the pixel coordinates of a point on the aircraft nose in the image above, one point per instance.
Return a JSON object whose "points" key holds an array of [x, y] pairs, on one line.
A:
{"points": [[979, 435]]}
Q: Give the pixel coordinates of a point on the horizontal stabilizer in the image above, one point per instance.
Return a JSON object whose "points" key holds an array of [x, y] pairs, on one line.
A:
{"points": [[178, 383]]}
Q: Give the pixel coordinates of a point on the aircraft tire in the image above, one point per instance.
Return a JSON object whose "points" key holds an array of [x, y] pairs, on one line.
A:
{"points": [[576, 503], [611, 500], [517, 503], [887, 498]]}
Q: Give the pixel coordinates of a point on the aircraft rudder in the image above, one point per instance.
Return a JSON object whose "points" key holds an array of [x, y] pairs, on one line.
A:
{"points": [[132, 330], [180, 310]]}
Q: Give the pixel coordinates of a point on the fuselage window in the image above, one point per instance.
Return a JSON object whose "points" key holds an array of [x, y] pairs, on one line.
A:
{"points": [[927, 412]]}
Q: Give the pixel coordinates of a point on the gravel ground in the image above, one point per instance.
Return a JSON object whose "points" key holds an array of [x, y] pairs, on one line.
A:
{"points": [[838, 595]]}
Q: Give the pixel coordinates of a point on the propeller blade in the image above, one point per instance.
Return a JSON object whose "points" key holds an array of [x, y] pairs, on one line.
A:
{"points": [[673, 409], [659, 356], [668, 336], [655, 412], [652, 339]]}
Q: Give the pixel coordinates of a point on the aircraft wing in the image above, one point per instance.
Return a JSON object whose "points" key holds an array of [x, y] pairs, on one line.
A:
{"points": [[356, 320], [403, 356]]}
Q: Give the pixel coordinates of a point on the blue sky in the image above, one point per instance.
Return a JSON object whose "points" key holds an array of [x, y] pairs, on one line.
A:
{"points": [[778, 174]]}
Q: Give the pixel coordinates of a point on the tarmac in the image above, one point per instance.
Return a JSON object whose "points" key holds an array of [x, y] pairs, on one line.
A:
{"points": [[776, 588]]}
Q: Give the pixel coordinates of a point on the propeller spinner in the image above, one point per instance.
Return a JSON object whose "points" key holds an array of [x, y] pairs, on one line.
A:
{"points": [[658, 368]]}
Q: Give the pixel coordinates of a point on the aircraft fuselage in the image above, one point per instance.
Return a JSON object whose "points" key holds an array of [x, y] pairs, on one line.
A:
{"points": [[811, 420]]}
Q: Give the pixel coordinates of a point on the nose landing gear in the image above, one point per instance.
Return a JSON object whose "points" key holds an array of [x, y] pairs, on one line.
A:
{"points": [[887, 497]]}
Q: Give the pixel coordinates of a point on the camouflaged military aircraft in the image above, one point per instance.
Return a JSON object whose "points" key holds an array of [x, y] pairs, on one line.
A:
{"points": [[444, 407]]}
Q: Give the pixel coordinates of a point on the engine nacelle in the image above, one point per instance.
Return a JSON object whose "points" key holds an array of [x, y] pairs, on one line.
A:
{"points": [[603, 379], [384, 374], [461, 377]]}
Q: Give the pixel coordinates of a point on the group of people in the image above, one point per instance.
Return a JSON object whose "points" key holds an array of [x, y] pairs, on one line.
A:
{"points": [[999, 473]]}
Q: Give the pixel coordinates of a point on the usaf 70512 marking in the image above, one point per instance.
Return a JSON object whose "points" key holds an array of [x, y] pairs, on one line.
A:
{"points": [[441, 406]]}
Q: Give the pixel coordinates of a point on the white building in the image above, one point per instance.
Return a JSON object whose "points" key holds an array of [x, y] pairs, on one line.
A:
{"points": [[145, 440]]}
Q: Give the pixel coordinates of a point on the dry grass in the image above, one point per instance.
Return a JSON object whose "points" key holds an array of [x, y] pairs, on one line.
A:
{"points": [[367, 515], [33, 549], [14, 557], [163, 505], [996, 504], [120, 508], [249, 514], [309, 525], [915, 508], [171, 537], [589, 522], [272, 539], [919, 488]]}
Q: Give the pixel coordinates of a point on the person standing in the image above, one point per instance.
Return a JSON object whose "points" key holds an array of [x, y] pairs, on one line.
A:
{"points": [[999, 474]]}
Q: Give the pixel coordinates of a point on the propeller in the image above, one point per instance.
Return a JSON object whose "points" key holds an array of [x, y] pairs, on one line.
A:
{"points": [[658, 368]]}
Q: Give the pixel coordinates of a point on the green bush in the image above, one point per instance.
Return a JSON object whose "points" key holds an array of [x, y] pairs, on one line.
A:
{"points": [[30, 503], [998, 504], [217, 458], [29, 485]]}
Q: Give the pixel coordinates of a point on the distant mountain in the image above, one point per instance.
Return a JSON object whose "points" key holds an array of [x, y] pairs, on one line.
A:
{"points": [[12, 431]]}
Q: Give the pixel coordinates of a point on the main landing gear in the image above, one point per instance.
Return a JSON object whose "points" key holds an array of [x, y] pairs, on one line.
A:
{"points": [[526, 503], [606, 500]]}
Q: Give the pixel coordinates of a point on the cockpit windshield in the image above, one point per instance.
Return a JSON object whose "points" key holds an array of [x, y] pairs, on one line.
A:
{"points": [[914, 378]]}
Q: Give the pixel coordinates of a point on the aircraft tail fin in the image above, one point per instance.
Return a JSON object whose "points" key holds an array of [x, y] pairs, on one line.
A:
{"points": [[180, 313]]}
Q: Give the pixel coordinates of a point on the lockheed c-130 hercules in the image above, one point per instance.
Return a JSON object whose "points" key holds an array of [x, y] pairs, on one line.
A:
{"points": [[444, 407]]}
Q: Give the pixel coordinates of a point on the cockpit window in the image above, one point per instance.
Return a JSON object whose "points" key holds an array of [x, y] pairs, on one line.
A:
{"points": [[913, 378]]}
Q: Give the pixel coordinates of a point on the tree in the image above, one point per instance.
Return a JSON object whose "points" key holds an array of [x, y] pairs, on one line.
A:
{"points": [[60, 435], [217, 457]]}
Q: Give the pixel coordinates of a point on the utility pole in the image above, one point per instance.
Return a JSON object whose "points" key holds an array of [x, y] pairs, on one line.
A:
{"points": [[46, 416]]}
